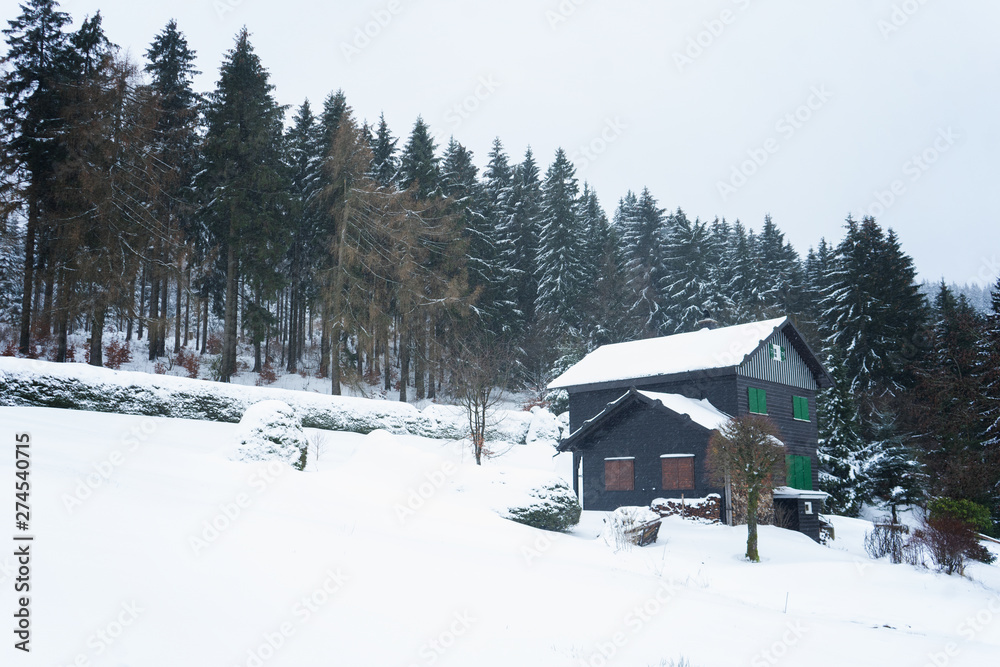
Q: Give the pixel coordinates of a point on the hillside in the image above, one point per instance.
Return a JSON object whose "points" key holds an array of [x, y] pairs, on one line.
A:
{"points": [[323, 567]]}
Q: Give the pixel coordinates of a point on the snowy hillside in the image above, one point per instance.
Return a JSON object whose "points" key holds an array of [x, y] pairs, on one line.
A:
{"points": [[154, 549]]}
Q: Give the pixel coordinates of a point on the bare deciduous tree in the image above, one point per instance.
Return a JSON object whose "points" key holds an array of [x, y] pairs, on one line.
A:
{"points": [[746, 452], [480, 375]]}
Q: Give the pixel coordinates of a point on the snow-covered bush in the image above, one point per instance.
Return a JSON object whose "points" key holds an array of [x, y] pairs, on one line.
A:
{"points": [[29, 383], [552, 506], [271, 431], [621, 527]]}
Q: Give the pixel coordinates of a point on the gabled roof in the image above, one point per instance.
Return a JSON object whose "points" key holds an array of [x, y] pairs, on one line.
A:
{"points": [[706, 350], [701, 412]]}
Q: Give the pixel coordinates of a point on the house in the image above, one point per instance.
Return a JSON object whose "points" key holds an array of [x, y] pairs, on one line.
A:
{"points": [[641, 414]]}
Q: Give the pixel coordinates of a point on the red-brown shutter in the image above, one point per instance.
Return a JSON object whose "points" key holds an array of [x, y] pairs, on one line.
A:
{"points": [[678, 473], [619, 475]]}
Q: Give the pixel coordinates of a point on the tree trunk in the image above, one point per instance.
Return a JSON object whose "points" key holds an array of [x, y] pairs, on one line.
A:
{"points": [[386, 363], [24, 343], [404, 358], [97, 334], [62, 318], [228, 364], [419, 343], [177, 309], [161, 330], [142, 300], [753, 500], [204, 329], [293, 329], [154, 315]]}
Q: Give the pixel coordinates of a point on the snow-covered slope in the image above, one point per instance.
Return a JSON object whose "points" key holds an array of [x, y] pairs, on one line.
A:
{"points": [[153, 549]]}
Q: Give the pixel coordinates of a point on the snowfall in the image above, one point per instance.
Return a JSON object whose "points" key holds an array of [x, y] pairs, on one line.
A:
{"points": [[154, 547]]}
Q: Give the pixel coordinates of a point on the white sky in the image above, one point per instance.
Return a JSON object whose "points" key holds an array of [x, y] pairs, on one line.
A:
{"points": [[609, 67]]}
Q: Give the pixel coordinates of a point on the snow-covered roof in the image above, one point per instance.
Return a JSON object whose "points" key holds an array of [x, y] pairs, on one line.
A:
{"points": [[701, 412], [680, 353]]}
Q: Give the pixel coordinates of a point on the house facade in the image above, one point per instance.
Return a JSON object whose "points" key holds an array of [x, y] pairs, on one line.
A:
{"points": [[641, 414]]}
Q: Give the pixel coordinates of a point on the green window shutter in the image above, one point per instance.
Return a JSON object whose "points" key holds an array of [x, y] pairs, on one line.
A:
{"points": [[757, 400], [776, 352], [799, 472], [800, 408]]}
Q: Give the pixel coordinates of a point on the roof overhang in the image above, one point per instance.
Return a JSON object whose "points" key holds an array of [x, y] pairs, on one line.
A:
{"points": [[788, 493]]}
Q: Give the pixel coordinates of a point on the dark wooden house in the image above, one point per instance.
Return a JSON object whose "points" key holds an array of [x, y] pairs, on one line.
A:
{"points": [[641, 414]]}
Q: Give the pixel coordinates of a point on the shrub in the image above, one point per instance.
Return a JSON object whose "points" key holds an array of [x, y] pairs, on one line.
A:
{"points": [[272, 431], [116, 354], [886, 539], [948, 541], [189, 361], [266, 375], [556, 508], [9, 350], [160, 368], [214, 344], [621, 527], [974, 514]]}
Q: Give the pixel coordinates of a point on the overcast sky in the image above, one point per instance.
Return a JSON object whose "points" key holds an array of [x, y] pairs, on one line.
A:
{"points": [[737, 108]]}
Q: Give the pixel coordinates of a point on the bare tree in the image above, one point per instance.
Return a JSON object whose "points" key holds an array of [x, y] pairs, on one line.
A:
{"points": [[746, 452], [480, 375]]}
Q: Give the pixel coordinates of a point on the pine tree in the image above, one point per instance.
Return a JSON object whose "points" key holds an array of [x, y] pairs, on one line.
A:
{"points": [[781, 271], [419, 165], [561, 250], [385, 164], [641, 222], [988, 370], [518, 233], [171, 68], [685, 281], [892, 476], [305, 151], [31, 121], [840, 445], [245, 187], [874, 311]]}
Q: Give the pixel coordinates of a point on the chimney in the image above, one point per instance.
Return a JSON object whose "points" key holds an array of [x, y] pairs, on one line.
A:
{"points": [[706, 323]]}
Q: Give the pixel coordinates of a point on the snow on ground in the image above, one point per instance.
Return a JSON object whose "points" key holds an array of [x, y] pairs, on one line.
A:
{"points": [[152, 548]]}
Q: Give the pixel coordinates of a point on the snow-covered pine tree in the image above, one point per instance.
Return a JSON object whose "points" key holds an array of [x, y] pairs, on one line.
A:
{"points": [[32, 83], [419, 166], [891, 473], [607, 322], [244, 182], [747, 285], [988, 369], [641, 222], [781, 271], [685, 275], [874, 311], [385, 164], [840, 444], [304, 155], [561, 251], [519, 233]]}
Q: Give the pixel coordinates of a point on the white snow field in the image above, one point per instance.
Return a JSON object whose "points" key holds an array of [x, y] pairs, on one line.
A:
{"points": [[152, 549]]}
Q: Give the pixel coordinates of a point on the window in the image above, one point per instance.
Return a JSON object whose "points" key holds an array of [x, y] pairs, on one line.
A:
{"points": [[619, 474], [798, 472], [807, 507], [758, 401], [776, 352], [678, 472], [800, 408]]}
